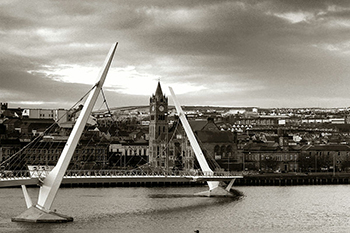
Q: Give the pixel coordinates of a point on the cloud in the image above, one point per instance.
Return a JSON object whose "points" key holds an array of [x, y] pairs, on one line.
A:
{"points": [[295, 17], [258, 53]]}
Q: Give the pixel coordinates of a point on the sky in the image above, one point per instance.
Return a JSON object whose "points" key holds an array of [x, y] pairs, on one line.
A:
{"points": [[264, 53]]}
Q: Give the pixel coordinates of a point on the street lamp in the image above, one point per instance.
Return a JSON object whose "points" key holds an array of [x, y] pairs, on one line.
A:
{"points": [[244, 163], [333, 164], [316, 161]]}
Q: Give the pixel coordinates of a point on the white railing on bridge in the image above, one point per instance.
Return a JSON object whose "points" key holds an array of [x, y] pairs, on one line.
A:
{"points": [[111, 173]]}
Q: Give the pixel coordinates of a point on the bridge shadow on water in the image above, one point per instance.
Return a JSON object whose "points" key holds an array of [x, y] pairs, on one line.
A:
{"points": [[236, 195], [201, 202], [188, 202]]}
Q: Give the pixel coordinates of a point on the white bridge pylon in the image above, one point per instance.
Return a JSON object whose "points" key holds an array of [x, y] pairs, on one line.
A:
{"points": [[53, 180], [214, 188], [41, 211]]}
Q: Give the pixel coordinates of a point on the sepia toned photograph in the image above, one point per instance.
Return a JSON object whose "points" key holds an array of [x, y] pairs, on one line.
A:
{"points": [[180, 116]]}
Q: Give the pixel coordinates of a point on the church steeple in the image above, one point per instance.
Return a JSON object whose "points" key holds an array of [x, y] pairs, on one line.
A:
{"points": [[158, 98], [159, 92]]}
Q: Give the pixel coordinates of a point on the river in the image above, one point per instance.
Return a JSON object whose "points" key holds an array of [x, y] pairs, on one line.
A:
{"points": [[174, 209]]}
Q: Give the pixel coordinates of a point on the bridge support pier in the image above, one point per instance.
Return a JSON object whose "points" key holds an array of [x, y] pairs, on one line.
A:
{"points": [[34, 214], [219, 191], [216, 192]]}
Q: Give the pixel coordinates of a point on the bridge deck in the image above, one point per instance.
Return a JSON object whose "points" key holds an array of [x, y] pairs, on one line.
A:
{"points": [[126, 177]]}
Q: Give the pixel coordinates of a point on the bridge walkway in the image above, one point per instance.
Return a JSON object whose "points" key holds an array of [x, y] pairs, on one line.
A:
{"points": [[17, 178]]}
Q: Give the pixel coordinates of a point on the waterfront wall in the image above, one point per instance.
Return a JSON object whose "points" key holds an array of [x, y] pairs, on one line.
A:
{"points": [[248, 180], [294, 179]]}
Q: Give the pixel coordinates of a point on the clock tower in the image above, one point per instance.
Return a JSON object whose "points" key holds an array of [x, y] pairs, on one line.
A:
{"points": [[158, 129]]}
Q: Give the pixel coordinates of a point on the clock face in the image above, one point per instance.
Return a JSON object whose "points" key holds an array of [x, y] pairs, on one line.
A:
{"points": [[161, 108]]}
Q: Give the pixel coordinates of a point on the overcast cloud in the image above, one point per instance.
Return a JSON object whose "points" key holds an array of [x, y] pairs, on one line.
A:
{"points": [[229, 53]]}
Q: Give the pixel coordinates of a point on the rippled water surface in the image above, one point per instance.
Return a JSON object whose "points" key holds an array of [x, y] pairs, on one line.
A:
{"points": [[262, 209]]}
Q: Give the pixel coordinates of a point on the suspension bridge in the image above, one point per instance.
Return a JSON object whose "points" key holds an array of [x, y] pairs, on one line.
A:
{"points": [[50, 180]]}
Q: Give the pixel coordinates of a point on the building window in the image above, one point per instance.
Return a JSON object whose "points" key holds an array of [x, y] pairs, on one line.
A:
{"points": [[223, 150], [228, 151], [216, 150]]}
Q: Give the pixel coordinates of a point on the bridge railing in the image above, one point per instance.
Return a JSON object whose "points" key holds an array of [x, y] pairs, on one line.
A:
{"points": [[145, 173], [110, 173], [15, 174]]}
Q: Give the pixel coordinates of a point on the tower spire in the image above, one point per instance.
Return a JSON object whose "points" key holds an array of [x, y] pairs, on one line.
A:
{"points": [[159, 92]]}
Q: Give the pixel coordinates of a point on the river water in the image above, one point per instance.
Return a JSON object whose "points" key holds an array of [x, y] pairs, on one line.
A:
{"points": [[175, 209]]}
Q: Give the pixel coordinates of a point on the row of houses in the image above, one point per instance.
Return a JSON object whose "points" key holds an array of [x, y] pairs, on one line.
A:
{"points": [[288, 120], [87, 156], [254, 156], [309, 158]]}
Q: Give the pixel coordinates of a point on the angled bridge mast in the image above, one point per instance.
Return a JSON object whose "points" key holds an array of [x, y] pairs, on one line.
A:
{"points": [[41, 211], [214, 188]]}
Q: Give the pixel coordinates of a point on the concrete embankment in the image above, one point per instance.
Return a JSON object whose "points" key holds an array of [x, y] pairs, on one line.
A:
{"points": [[285, 179]]}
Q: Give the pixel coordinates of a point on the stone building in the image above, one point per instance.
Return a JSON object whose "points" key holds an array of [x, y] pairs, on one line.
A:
{"points": [[323, 158], [8, 147], [128, 154], [87, 155], [218, 146], [170, 149], [158, 129], [270, 157]]}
